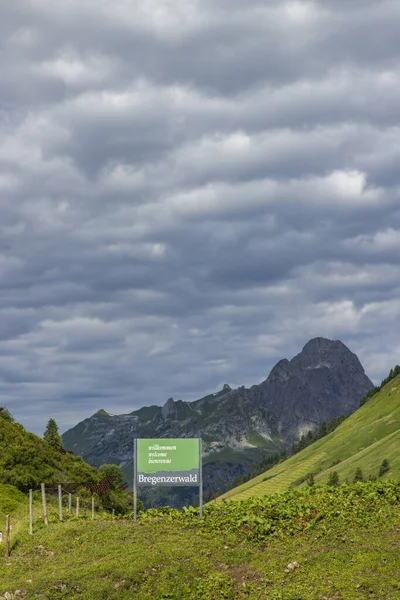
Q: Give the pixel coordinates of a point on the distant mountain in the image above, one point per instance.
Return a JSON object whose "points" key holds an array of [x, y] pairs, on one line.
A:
{"points": [[240, 426]]}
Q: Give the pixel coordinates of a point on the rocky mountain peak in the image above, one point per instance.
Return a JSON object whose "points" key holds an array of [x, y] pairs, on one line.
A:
{"points": [[281, 371], [323, 381], [321, 352], [168, 410]]}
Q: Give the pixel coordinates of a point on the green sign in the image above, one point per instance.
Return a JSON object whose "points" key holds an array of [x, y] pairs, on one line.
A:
{"points": [[167, 462]]}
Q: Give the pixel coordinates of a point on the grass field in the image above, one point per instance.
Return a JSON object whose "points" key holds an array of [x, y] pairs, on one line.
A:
{"points": [[363, 440], [346, 545]]}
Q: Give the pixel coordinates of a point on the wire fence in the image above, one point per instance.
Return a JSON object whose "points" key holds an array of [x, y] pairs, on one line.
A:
{"points": [[51, 504]]}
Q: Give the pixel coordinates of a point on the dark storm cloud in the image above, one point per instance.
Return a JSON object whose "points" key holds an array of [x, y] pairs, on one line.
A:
{"points": [[189, 191]]}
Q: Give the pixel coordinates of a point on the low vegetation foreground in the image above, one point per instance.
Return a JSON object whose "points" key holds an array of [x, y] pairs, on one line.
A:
{"points": [[313, 543]]}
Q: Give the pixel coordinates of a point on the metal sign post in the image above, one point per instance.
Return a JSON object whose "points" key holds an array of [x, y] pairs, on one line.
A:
{"points": [[134, 479], [201, 476]]}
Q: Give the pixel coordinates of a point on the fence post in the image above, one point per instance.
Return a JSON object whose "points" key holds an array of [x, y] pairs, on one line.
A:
{"points": [[113, 513], [70, 504], [60, 509], [77, 507], [30, 512], [92, 507], [44, 503], [8, 528]]}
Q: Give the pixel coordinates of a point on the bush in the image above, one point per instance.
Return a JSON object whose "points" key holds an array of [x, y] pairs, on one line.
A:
{"points": [[5, 414], [358, 475], [310, 480], [384, 468], [333, 478]]}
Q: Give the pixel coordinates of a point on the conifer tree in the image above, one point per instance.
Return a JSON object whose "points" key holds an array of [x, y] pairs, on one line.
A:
{"points": [[310, 480], [384, 468], [51, 435], [358, 475], [333, 478], [5, 414]]}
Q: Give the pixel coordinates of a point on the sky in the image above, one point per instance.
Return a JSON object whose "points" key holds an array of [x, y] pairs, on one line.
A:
{"points": [[190, 190]]}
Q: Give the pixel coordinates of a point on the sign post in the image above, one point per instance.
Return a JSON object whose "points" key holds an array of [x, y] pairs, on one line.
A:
{"points": [[134, 480], [201, 477], [167, 462]]}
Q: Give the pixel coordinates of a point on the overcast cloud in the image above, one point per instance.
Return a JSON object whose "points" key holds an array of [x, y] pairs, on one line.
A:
{"points": [[189, 191]]}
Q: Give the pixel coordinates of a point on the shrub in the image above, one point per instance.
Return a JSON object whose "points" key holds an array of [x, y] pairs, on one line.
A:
{"points": [[333, 478], [310, 480], [384, 468], [5, 414], [358, 475]]}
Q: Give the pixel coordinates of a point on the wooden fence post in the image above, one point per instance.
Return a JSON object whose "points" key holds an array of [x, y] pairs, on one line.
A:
{"points": [[77, 507], [8, 535], [31, 512], [60, 509], [70, 504], [44, 503], [113, 513], [92, 507]]}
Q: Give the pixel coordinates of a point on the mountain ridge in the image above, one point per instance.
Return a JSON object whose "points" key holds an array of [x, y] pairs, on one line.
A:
{"points": [[238, 426], [367, 437]]}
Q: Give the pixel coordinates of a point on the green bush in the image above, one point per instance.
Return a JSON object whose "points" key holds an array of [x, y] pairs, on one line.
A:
{"points": [[384, 468], [333, 478], [10, 499], [358, 475]]}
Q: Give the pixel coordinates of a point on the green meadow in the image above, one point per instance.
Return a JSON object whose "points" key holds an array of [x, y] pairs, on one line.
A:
{"points": [[364, 440], [316, 543]]}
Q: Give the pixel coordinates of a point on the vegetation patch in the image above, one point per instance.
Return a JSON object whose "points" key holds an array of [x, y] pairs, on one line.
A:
{"points": [[365, 439], [309, 544]]}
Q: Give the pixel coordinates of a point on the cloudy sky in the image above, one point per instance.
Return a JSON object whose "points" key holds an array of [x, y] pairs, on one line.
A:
{"points": [[189, 191]]}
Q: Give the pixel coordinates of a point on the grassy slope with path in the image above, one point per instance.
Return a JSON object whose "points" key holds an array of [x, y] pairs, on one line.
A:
{"points": [[345, 541], [364, 439]]}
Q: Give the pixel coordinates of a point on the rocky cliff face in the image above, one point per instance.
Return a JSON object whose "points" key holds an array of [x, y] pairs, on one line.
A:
{"points": [[238, 427], [325, 380]]}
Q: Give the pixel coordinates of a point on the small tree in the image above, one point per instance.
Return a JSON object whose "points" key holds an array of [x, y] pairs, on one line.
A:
{"points": [[5, 414], [384, 468], [110, 470], [358, 475], [310, 480], [51, 435], [333, 478]]}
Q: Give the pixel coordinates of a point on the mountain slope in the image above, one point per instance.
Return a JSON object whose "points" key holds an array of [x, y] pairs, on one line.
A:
{"points": [[364, 439], [239, 426], [26, 460]]}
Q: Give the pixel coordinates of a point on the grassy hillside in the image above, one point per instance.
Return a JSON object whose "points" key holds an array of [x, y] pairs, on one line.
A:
{"points": [[308, 544], [363, 440], [26, 460]]}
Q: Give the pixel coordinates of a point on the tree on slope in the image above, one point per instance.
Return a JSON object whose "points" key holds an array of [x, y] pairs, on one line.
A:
{"points": [[51, 435], [5, 414], [358, 475], [384, 468], [108, 470], [333, 478]]}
